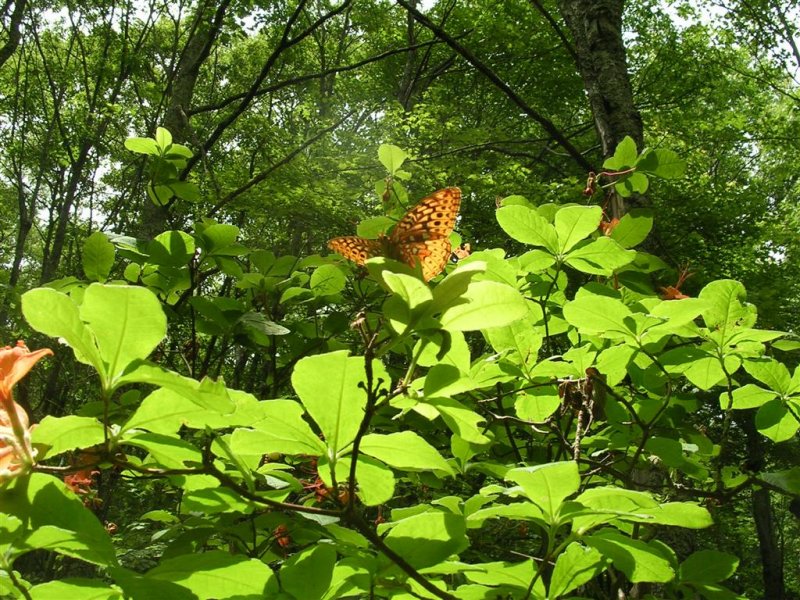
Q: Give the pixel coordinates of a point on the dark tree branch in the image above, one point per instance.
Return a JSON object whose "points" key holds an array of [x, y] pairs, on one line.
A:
{"points": [[546, 124], [272, 168], [285, 43]]}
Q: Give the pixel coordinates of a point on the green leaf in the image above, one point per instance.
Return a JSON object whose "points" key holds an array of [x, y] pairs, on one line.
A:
{"points": [[328, 386], [574, 567], [639, 560], [57, 519], [391, 157], [142, 145], [747, 396], [485, 304], [55, 314], [98, 257], [74, 588], [520, 339], [547, 485], [215, 574], [663, 163], [171, 249], [464, 422], [165, 451], [428, 538], [374, 227], [308, 573], [602, 256], [788, 480], [127, 322], [724, 299], [625, 154], [527, 226], [536, 405], [775, 421], [411, 290], [574, 223], [404, 450], [327, 280], [375, 480], [595, 314], [141, 586], [62, 434], [708, 566], [163, 137], [634, 183], [771, 373], [281, 429], [208, 394], [633, 228]]}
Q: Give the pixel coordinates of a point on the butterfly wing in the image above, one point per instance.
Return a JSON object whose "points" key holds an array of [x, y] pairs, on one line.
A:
{"points": [[356, 248], [433, 218], [431, 254]]}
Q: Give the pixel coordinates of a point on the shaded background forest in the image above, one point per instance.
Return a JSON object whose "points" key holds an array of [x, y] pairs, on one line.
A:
{"points": [[284, 105]]}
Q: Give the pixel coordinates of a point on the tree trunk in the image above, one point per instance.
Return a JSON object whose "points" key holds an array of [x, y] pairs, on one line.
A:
{"points": [[763, 515], [596, 27], [180, 92]]}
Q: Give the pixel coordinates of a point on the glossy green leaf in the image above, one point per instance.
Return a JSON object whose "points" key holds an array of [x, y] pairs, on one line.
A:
{"points": [[485, 304], [57, 520], [547, 485], [640, 561], [525, 225], [428, 538], [165, 451], [461, 420], [747, 396], [141, 586], [595, 314], [375, 480], [55, 314], [708, 566], [391, 157], [280, 428], [327, 280], [575, 223], [788, 480], [98, 257], [725, 308], [328, 386], [662, 162], [633, 228], [576, 565], [404, 450], [215, 574], [127, 322], [62, 434], [771, 373], [536, 405], [411, 290], [74, 588], [602, 256], [775, 421], [208, 394], [308, 573], [142, 145]]}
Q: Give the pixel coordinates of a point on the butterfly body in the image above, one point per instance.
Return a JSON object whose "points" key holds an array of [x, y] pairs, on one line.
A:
{"points": [[421, 237]]}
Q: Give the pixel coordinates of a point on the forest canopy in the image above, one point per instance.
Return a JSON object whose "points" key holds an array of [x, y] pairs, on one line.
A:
{"points": [[442, 299]]}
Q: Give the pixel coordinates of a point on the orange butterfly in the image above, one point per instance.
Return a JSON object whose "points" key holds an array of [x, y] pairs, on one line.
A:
{"points": [[421, 236]]}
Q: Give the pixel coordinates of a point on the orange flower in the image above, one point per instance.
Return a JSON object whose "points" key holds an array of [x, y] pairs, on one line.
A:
{"points": [[16, 454]]}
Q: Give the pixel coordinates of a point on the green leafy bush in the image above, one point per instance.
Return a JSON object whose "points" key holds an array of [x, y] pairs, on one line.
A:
{"points": [[523, 427]]}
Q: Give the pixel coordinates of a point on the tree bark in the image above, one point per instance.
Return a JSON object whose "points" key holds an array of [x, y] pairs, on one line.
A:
{"points": [[763, 515], [596, 28]]}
